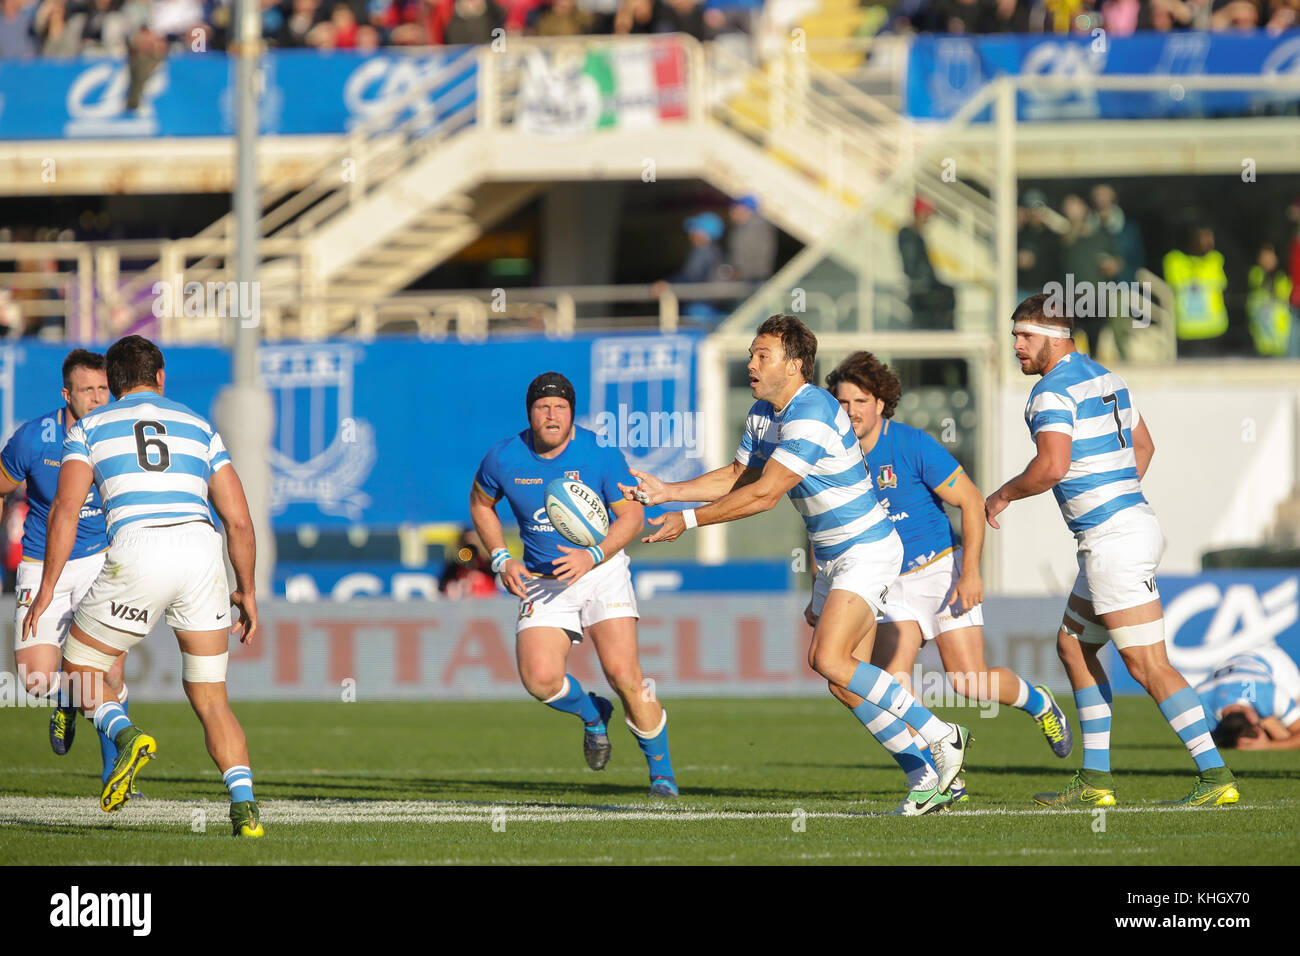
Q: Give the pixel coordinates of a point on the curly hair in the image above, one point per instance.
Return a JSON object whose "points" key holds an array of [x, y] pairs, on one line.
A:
{"points": [[872, 376]]}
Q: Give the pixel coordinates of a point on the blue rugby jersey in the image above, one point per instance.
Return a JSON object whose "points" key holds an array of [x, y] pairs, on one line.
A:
{"points": [[813, 438], [33, 454], [152, 458], [1267, 679], [1092, 405], [512, 470], [907, 465]]}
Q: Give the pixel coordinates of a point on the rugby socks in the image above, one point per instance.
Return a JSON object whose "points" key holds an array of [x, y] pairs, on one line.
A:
{"points": [[1029, 699], [110, 718], [108, 749], [239, 781], [64, 691], [654, 744], [1094, 720], [892, 734], [871, 683], [1184, 713], [572, 699]]}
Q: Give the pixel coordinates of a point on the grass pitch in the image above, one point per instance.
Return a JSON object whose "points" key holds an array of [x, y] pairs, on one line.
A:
{"points": [[763, 781]]}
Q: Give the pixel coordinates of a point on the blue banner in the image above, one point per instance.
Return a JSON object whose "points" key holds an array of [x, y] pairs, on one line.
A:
{"points": [[391, 432], [193, 95], [946, 71], [1213, 616]]}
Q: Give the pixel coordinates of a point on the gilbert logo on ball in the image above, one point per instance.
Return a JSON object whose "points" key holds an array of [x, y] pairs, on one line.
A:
{"points": [[577, 512]]}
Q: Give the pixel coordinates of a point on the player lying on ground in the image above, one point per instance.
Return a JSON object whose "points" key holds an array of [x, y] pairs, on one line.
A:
{"points": [[156, 464], [1093, 449], [939, 593], [565, 592], [798, 442], [1252, 701], [33, 455]]}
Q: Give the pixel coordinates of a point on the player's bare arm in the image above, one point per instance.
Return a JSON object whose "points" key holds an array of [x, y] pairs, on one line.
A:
{"points": [[1143, 447], [226, 492], [7, 485], [960, 492], [1043, 473], [1275, 737], [710, 486], [628, 522], [483, 514], [748, 499], [75, 480]]}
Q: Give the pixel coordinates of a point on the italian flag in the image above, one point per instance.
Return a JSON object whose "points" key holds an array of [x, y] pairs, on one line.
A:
{"points": [[639, 87]]}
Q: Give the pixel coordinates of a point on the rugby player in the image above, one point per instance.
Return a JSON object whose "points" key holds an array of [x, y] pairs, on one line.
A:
{"points": [[1093, 449], [1252, 701], [566, 591], [33, 455], [157, 465], [938, 596], [798, 441]]}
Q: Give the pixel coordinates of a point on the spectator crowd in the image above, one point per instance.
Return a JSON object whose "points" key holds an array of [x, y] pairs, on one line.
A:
{"points": [[61, 28]]}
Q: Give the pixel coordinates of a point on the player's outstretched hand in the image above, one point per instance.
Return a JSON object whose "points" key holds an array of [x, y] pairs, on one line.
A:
{"points": [[246, 626], [809, 616], [648, 490], [34, 612], [575, 563], [670, 527], [994, 505], [968, 593], [513, 576]]}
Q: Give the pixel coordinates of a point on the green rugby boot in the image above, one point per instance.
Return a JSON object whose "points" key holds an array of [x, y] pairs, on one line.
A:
{"points": [[1098, 790]]}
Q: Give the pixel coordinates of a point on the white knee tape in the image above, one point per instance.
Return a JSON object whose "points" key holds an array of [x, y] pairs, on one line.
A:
{"points": [[1139, 635], [1092, 632], [208, 669], [83, 655]]}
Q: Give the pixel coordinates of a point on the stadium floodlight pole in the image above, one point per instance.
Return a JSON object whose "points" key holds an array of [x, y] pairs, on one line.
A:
{"points": [[243, 409]]}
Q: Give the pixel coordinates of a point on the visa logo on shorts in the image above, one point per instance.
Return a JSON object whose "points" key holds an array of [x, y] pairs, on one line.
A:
{"points": [[128, 613]]}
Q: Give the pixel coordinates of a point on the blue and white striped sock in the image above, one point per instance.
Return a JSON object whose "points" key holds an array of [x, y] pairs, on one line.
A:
{"points": [[239, 781], [110, 719], [871, 683], [892, 734], [1094, 721], [108, 749], [572, 699], [1184, 713], [1030, 699]]}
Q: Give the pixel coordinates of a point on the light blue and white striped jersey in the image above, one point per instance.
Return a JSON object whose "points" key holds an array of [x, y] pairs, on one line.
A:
{"points": [[1267, 679], [1081, 399], [812, 437], [152, 459]]}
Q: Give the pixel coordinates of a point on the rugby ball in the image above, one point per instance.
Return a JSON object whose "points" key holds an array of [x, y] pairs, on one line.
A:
{"points": [[577, 512]]}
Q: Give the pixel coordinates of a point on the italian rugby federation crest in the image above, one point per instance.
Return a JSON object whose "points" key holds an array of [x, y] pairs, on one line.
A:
{"points": [[320, 454], [571, 476], [887, 478]]}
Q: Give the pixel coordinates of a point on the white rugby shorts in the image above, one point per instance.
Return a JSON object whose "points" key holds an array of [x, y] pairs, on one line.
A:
{"points": [[1118, 561], [78, 574], [177, 569], [923, 595], [867, 570], [603, 593]]}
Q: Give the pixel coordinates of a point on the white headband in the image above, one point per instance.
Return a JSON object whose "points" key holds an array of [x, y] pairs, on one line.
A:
{"points": [[1051, 331]]}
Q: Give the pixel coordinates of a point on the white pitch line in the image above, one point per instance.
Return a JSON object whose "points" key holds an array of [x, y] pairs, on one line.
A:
{"points": [[56, 811]]}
